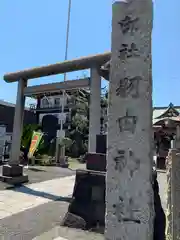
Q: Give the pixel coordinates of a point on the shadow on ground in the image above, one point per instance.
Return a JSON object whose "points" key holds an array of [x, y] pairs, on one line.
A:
{"points": [[29, 191], [36, 169]]}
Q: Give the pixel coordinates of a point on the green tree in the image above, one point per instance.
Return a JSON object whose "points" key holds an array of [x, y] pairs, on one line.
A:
{"points": [[78, 132]]}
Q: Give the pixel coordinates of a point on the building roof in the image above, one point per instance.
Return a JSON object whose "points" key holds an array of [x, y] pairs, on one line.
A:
{"points": [[162, 113], [8, 104], [69, 92], [7, 111]]}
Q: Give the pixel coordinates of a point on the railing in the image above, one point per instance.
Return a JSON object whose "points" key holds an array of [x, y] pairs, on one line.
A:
{"points": [[50, 106]]}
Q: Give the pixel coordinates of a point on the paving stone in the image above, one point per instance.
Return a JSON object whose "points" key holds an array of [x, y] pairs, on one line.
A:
{"points": [[42, 220], [33, 195]]}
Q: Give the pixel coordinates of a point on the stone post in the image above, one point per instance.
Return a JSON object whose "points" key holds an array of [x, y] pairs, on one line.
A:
{"points": [[173, 189], [129, 194], [13, 172], [175, 196], [174, 205], [168, 195], [95, 108]]}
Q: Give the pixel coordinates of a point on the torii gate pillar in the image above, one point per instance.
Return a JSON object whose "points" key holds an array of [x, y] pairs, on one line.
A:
{"points": [[12, 173], [95, 108]]}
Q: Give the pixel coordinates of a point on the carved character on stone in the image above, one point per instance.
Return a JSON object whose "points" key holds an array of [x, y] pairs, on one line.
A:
{"points": [[120, 160], [134, 164], [128, 24], [127, 123], [128, 52], [134, 168], [127, 86], [125, 210], [168, 196]]}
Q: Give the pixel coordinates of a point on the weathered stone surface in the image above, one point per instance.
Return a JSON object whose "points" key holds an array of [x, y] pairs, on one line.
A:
{"points": [[14, 180], [96, 162], [74, 221], [13, 174], [129, 195], [168, 195], [12, 170], [89, 197], [175, 193], [18, 123], [101, 141], [94, 108]]}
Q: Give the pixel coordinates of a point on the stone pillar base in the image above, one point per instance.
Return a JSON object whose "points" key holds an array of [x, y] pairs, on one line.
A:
{"points": [[96, 162], [13, 174], [63, 162], [88, 201]]}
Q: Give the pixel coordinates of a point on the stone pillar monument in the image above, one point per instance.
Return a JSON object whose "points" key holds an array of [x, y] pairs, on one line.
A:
{"points": [[95, 108], [173, 190], [13, 172], [168, 195], [175, 195], [129, 194]]}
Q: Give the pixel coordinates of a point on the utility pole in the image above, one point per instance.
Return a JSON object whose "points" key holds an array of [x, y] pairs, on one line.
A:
{"points": [[62, 132]]}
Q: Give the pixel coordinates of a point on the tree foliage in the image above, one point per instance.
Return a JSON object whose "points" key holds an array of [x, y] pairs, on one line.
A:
{"points": [[79, 131], [27, 134], [76, 139]]}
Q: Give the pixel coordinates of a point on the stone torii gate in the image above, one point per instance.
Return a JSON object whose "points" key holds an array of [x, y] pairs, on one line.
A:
{"points": [[13, 172]]}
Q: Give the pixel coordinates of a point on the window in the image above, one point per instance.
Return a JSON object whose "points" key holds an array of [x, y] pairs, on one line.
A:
{"points": [[57, 102], [45, 103], [63, 100]]}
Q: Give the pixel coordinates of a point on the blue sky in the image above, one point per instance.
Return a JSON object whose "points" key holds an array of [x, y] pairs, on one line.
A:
{"points": [[33, 33]]}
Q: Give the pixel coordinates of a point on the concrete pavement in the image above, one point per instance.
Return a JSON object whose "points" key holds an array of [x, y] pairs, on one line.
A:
{"points": [[38, 174], [32, 195], [162, 188], [69, 234], [34, 211]]}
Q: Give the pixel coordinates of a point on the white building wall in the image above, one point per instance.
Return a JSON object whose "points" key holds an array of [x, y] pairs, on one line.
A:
{"points": [[50, 101]]}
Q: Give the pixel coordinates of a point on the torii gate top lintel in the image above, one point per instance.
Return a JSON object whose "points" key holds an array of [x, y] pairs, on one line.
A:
{"points": [[59, 68]]}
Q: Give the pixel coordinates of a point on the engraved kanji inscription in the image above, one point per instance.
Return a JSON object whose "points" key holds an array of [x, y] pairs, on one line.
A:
{"points": [[125, 210], [120, 160], [127, 51], [125, 158], [135, 165], [127, 123], [127, 86], [128, 24]]}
